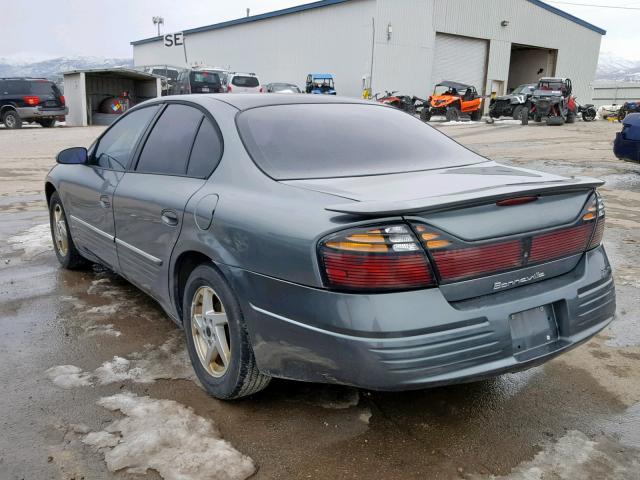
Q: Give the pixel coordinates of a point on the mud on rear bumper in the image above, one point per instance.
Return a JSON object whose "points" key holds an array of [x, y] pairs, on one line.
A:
{"points": [[410, 340]]}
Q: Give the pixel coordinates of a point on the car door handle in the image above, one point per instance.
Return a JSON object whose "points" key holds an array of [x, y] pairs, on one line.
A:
{"points": [[105, 201], [169, 217]]}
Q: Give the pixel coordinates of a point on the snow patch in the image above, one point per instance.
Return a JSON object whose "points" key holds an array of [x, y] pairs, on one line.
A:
{"points": [[33, 241], [69, 376], [168, 437], [167, 361], [109, 309]]}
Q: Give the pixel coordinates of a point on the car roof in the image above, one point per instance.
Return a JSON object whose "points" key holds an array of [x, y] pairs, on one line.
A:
{"points": [[456, 85], [321, 75], [251, 100]]}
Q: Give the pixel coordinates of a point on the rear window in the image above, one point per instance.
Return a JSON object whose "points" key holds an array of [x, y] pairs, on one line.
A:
{"points": [[205, 77], [304, 141], [43, 88], [245, 81], [26, 87]]}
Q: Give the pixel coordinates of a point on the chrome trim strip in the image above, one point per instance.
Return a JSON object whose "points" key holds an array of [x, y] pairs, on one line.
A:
{"points": [[92, 228], [142, 253]]}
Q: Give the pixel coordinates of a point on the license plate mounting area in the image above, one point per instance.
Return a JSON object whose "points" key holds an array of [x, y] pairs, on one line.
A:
{"points": [[533, 328]]}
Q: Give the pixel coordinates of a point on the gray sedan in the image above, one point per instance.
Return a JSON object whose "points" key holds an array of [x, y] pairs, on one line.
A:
{"points": [[327, 239]]}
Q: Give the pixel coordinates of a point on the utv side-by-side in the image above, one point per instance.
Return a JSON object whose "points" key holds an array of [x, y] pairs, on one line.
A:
{"points": [[320, 84], [453, 99], [552, 101]]}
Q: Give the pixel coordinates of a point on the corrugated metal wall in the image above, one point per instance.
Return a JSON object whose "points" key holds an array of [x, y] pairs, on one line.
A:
{"points": [[607, 93], [334, 39], [337, 39]]}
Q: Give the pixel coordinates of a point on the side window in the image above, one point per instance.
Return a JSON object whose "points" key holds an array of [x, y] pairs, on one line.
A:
{"points": [[17, 87], [116, 146], [206, 152], [167, 148]]}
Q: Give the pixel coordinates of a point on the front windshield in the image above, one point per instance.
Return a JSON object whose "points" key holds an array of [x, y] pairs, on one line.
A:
{"points": [[550, 86], [444, 90], [323, 82], [523, 89]]}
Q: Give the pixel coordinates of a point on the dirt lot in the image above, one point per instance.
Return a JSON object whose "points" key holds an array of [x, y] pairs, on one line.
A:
{"points": [[95, 379]]}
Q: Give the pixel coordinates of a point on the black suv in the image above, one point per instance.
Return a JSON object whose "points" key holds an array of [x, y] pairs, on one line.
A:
{"points": [[30, 100]]}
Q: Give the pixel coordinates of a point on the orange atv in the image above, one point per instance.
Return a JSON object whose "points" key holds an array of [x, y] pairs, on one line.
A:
{"points": [[453, 99]]}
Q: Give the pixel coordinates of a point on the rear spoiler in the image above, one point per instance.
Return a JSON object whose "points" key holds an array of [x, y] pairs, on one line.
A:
{"points": [[468, 197]]}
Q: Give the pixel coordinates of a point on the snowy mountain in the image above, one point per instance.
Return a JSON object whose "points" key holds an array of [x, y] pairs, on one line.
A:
{"points": [[52, 68], [613, 67]]}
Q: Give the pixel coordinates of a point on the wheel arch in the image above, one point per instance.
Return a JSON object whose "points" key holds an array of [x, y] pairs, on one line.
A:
{"points": [[9, 106], [185, 263], [49, 190]]}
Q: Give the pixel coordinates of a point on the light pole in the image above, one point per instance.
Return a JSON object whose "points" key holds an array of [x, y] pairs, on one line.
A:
{"points": [[158, 21]]}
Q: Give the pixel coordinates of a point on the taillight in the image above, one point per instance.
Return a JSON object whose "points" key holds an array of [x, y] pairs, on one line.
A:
{"points": [[455, 260], [228, 88], [31, 100], [260, 90], [597, 208], [380, 258], [62, 100]]}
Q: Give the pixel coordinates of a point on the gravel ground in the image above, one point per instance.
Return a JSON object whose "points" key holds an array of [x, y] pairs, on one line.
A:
{"points": [[96, 383]]}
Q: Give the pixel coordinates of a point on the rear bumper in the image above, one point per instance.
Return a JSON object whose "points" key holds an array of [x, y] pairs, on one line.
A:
{"points": [[27, 113], [628, 150], [410, 340]]}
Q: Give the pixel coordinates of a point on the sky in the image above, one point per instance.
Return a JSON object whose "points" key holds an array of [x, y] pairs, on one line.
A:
{"points": [[38, 29]]}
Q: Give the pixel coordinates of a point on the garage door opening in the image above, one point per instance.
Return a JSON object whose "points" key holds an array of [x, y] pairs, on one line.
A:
{"points": [[529, 63]]}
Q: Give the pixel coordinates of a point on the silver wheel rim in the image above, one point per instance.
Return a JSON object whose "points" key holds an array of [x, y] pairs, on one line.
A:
{"points": [[60, 230], [210, 331], [10, 121]]}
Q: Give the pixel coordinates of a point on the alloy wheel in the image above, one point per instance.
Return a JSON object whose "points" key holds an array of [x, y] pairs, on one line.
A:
{"points": [[210, 331], [60, 230]]}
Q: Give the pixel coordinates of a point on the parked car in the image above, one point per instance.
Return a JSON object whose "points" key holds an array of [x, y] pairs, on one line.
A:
{"points": [[329, 239], [512, 105], [320, 84], [627, 143], [199, 80], [32, 100], [243, 83], [552, 101], [282, 88], [627, 108], [453, 99]]}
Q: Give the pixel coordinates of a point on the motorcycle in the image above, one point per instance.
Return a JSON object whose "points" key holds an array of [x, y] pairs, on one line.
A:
{"points": [[588, 112], [401, 102]]}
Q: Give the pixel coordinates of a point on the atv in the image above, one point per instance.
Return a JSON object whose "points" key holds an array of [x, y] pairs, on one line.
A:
{"points": [[401, 102], [452, 99], [552, 101], [627, 108], [320, 84], [511, 105]]}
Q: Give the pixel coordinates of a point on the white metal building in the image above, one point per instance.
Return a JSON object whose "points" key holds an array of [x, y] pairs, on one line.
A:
{"points": [[492, 44], [615, 93]]}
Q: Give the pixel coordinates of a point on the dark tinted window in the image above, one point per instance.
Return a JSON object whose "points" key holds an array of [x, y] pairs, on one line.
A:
{"points": [[341, 140], [242, 81], [205, 77], [16, 87], [115, 148], [206, 151], [43, 88], [167, 148]]}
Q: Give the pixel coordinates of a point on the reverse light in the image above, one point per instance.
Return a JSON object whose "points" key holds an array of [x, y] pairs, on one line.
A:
{"points": [[375, 259], [31, 100]]}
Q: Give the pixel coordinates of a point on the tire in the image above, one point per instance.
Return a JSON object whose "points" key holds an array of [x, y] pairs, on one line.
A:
{"points": [[555, 121], [517, 112], [622, 113], [537, 118], [66, 251], [425, 114], [238, 376], [571, 117], [452, 113], [589, 115], [11, 119], [524, 117], [476, 115], [47, 122]]}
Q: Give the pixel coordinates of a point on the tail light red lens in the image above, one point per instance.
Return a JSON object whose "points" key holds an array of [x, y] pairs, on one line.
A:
{"points": [[375, 259], [229, 89], [456, 260], [62, 100], [31, 100]]}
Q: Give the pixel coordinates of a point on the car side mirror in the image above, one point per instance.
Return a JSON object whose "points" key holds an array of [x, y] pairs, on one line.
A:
{"points": [[73, 156]]}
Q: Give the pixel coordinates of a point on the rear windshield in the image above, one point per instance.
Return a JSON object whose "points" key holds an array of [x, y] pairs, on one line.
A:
{"points": [[305, 141], [242, 81], [205, 77]]}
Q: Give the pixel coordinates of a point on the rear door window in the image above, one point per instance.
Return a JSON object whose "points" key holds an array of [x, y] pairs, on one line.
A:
{"points": [[206, 152], [16, 87], [167, 148], [245, 81], [116, 146]]}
